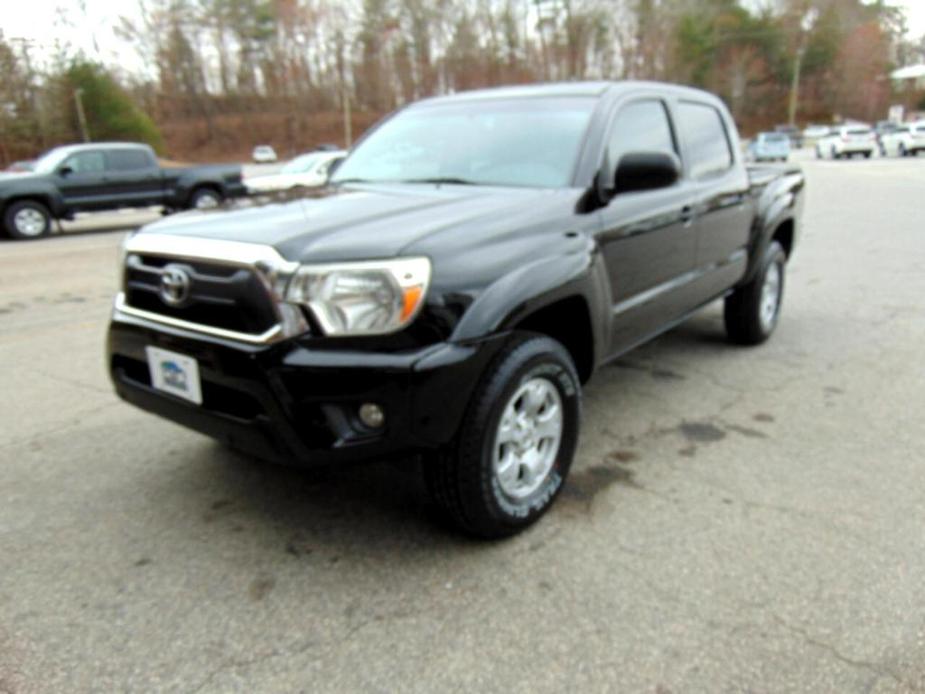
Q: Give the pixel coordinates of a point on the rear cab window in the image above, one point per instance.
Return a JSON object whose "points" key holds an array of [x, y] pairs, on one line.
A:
{"points": [[707, 141]]}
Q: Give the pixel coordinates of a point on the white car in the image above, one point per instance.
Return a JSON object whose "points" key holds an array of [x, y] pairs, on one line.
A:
{"points": [[264, 154], [847, 141], [907, 140], [814, 133], [305, 171]]}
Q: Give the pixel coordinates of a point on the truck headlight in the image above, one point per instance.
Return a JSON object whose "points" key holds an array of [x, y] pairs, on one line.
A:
{"points": [[363, 298]]}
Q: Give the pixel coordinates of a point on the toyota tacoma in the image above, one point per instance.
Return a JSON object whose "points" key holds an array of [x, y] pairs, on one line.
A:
{"points": [[470, 264], [106, 176]]}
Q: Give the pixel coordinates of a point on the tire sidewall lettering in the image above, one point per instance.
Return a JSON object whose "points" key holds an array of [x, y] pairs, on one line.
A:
{"points": [[523, 509]]}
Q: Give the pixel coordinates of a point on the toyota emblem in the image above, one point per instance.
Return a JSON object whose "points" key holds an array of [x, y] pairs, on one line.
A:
{"points": [[175, 285]]}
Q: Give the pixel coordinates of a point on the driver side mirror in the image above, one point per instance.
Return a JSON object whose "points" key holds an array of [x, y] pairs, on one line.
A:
{"points": [[640, 171], [65, 171]]}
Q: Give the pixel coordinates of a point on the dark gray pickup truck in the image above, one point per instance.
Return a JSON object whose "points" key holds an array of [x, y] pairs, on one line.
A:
{"points": [[474, 260], [106, 176]]}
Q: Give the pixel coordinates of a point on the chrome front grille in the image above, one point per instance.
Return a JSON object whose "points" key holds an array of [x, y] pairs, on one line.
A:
{"points": [[230, 298], [229, 289]]}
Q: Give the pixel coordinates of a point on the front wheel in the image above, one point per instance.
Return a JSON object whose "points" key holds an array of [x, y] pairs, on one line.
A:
{"points": [[751, 312], [516, 443], [27, 219]]}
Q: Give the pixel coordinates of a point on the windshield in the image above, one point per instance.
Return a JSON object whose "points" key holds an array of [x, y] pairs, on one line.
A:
{"points": [[511, 142], [50, 161], [774, 137], [302, 164], [859, 131]]}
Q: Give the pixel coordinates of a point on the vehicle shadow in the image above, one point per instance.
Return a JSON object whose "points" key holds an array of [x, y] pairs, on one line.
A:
{"points": [[327, 513], [374, 509]]}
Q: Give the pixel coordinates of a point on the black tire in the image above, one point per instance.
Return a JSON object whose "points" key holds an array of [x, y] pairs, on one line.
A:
{"points": [[818, 153], [903, 152], [205, 199], [462, 479], [743, 308], [867, 155], [27, 219], [835, 154]]}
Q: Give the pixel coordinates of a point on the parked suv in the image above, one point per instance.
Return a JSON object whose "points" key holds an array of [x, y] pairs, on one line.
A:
{"points": [[846, 142], [769, 147], [905, 140], [456, 286]]}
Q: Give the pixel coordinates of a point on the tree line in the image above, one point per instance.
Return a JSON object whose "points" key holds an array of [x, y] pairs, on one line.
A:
{"points": [[288, 69]]}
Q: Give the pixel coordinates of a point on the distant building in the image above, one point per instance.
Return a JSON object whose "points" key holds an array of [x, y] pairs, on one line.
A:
{"points": [[911, 78]]}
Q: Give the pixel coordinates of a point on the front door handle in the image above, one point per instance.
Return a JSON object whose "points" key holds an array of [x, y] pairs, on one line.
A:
{"points": [[687, 215]]}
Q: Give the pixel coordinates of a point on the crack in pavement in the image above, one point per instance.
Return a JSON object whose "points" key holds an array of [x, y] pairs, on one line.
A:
{"points": [[876, 668]]}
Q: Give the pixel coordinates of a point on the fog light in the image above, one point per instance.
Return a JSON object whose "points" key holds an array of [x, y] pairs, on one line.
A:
{"points": [[372, 415]]}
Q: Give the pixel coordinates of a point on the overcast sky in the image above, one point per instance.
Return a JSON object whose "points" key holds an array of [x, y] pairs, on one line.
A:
{"points": [[38, 20]]}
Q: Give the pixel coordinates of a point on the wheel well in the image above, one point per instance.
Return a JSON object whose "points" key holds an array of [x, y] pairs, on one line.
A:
{"points": [[214, 187], [784, 236], [567, 321], [23, 198]]}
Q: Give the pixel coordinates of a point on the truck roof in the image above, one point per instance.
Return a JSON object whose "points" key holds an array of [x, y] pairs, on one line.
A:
{"points": [[103, 145], [566, 89]]}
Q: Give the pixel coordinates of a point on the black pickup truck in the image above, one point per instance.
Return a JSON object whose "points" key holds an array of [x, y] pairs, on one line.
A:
{"points": [[475, 258], [106, 176]]}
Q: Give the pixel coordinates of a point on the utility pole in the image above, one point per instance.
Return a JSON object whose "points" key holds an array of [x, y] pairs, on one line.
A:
{"points": [[348, 124], [25, 46], [795, 85], [81, 116], [806, 25]]}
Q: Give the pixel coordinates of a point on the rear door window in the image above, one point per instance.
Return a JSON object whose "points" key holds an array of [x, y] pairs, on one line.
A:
{"points": [[704, 132], [128, 160]]}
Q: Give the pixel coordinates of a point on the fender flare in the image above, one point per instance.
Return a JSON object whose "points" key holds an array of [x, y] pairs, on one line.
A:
{"points": [[537, 285]]}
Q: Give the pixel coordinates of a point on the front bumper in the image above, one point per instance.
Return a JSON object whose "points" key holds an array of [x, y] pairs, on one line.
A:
{"points": [[294, 404]]}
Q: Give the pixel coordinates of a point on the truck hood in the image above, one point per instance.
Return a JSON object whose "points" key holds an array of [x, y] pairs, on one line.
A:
{"points": [[24, 176], [366, 221]]}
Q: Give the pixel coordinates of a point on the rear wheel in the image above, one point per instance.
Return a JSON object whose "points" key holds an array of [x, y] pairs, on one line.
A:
{"points": [[903, 152], [516, 443], [27, 219], [205, 199], [752, 311]]}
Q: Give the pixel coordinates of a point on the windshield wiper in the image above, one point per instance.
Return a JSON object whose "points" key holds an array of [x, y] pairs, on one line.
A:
{"points": [[437, 180], [442, 179], [339, 181]]}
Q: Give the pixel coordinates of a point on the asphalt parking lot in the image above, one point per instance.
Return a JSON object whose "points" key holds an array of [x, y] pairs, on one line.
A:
{"points": [[737, 520]]}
